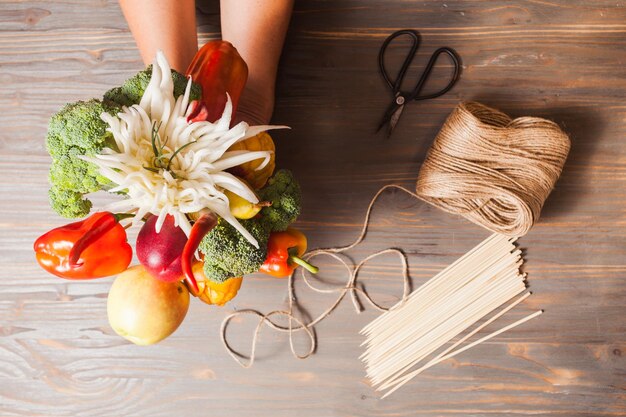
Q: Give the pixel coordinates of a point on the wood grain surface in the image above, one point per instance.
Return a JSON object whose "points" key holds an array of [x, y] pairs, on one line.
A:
{"points": [[560, 59]]}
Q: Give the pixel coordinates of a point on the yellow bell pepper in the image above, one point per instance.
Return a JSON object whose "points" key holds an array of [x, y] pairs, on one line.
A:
{"points": [[261, 142]]}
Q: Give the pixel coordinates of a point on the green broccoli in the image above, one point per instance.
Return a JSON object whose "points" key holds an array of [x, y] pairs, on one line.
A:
{"points": [[76, 130], [68, 203], [132, 90], [283, 191], [228, 254]]}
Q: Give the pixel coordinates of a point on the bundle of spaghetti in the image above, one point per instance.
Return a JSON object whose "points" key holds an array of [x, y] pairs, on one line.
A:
{"points": [[471, 288]]}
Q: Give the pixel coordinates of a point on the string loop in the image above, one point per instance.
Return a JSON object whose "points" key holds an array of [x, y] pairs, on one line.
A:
{"points": [[350, 286]]}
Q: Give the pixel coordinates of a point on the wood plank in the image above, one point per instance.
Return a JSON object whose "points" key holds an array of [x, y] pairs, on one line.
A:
{"points": [[559, 59]]}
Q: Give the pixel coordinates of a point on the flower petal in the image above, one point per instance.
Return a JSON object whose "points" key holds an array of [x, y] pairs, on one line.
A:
{"points": [[185, 171]]}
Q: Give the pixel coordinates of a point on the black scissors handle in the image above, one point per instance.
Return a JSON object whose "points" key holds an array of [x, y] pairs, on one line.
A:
{"points": [[397, 84], [429, 69], [414, 35]]}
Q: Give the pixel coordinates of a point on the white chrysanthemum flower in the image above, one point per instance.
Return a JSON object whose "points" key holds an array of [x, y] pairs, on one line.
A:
{"points": [[167, 165]]}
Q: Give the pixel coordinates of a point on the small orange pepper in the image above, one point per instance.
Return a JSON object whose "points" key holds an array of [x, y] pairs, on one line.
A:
{"points": [[284, 250], [211, 292]]}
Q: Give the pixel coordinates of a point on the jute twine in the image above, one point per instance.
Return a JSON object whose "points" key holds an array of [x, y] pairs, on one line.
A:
{"points": [[350, 286], [494, 171]]}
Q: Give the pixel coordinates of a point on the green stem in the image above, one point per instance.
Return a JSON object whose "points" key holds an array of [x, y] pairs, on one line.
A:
{"points": [[177, 151], [304, 264], [122, 216], [154, 137]]}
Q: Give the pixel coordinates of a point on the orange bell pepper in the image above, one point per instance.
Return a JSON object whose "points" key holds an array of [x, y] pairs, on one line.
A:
{"points": [[92, 248]]}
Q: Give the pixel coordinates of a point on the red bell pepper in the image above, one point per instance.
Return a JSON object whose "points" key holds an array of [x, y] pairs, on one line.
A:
{"points": [[219, 69], [92, 248], [198, 112], [284, 250]]}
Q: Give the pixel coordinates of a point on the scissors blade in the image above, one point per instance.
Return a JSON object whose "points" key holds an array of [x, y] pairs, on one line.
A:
{"points": [[392, 110], [395, 117], [393, 107]]}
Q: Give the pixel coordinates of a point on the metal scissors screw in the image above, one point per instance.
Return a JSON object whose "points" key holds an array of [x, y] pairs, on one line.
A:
{"points": [[394, 111]]}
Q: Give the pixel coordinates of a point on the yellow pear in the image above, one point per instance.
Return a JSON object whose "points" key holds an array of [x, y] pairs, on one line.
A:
{"points": [[143, 309], [242, 208]]}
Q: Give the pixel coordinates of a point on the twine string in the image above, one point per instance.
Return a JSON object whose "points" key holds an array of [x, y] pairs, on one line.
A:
{"points": [[494, 171], [490, 169], [349, 287]]}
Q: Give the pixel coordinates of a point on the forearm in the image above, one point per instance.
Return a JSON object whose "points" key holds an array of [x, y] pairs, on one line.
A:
{"points": [[168, 25], [257, 29]]}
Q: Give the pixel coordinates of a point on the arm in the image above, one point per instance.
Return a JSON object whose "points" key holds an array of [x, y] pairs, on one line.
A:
{"points": [[257, 29], [169, 25]]}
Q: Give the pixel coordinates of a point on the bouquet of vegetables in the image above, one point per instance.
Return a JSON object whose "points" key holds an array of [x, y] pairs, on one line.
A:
{"points": [[203, 190]]}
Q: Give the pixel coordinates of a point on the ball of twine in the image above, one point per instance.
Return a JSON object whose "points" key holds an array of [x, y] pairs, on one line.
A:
{"points": [[495, 171]]}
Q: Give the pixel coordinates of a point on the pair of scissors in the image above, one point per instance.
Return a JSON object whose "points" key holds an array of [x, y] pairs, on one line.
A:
{"points": [[394, 111]]}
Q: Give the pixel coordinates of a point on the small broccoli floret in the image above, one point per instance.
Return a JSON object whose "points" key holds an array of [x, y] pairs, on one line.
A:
{"points": [[215, 272], [69, 204], [283, 191], [228, 254], [77, 130], [132, 90]]}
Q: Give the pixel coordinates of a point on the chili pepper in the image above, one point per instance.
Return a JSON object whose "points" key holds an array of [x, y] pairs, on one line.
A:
{"points": [[219, 69], [283, 254], [205, 223], [92, 248]]}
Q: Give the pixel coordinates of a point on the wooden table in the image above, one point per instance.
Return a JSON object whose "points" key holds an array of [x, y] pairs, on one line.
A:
{"points": [[560, 59]]}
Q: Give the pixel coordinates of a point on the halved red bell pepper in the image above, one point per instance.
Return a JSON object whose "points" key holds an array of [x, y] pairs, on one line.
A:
{"points": [[219, 69], [92, 248]]}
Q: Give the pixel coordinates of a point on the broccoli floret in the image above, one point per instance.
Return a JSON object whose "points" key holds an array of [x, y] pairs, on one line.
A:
{"points": [[228, 254], [76, 130], [283, 191], [69, 204], [132, 90]]}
